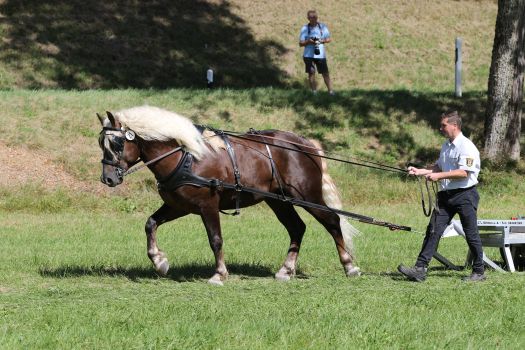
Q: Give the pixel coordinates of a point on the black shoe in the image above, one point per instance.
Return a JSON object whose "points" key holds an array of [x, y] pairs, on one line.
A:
{"points": [[475, 277], [416, 273]]}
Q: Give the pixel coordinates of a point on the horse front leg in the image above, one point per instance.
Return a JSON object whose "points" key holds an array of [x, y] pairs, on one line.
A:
{"points": [[157, 256], [211, 220]]}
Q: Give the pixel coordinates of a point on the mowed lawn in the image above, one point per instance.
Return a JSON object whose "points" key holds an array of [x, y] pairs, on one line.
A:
{"points": [[77, 279]]}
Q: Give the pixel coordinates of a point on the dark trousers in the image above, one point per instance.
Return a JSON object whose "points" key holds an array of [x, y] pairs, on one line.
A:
{"points": [[465, 203]]}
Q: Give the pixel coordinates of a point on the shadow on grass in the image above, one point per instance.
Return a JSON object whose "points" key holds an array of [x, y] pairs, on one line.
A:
{"points": [[76, 44], [184, 273], [387, 116]]}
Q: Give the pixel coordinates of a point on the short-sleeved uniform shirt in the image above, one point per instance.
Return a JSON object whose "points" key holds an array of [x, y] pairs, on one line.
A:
{"points": [[459, 154], [320, 31]]}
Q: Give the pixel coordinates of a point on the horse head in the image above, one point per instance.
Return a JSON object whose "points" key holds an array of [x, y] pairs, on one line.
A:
{"points": [[119, 148]]}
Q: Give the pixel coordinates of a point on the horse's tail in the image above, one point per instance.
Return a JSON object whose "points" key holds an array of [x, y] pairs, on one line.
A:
{"points": [[332, 199]]}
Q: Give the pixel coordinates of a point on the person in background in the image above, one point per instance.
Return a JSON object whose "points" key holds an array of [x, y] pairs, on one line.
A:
{"points": [[313, 38], [457, 171]]}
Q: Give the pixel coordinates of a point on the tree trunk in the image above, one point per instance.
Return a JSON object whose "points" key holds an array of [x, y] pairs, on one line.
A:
{"points": [[505, 90]]}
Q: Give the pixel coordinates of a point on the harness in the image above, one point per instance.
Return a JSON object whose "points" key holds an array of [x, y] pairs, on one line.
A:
{"points": [[183, 175]]}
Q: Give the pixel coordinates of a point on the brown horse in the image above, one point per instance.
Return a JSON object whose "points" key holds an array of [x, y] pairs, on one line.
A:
{"points": [[147, 133]]}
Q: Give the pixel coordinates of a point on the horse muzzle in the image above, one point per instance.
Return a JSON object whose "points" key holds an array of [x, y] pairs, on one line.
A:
{"points": [[112, 178], [111, 182]]}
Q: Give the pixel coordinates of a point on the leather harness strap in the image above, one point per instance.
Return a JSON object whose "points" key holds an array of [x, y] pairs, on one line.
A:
{"points": [[236, 174]]}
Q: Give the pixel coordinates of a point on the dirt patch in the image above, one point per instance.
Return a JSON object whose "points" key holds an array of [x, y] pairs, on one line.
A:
{"points": [[4, 290], [22, 166]]}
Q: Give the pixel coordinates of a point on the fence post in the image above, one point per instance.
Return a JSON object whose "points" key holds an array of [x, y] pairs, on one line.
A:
{"points": [[459, 41]]}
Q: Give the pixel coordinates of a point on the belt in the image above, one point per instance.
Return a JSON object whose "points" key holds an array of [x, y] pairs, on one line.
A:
{"points": [[457, 190]]}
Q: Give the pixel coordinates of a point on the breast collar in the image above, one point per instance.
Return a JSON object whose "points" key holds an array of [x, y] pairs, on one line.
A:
{"points": [[182, 175]]}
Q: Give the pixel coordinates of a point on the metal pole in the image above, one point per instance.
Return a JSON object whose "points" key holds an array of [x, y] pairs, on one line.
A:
{"points": [[459, 41]]}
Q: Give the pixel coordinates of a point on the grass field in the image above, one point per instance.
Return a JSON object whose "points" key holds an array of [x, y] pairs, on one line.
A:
{"points": [[74, 273], [82, 280]]}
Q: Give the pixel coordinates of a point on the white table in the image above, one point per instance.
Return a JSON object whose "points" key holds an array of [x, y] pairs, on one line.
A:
{"points": [[507, 235]]}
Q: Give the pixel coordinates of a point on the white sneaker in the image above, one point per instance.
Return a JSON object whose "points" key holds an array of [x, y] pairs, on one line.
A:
{"points": [[332, 93]]}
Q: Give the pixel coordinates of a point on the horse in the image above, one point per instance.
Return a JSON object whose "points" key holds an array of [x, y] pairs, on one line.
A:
{"points": [[165, 140]]}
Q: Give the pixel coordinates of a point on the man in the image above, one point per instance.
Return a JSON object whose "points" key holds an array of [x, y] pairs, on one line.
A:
{"points": [[457, 170], [313, 37]]}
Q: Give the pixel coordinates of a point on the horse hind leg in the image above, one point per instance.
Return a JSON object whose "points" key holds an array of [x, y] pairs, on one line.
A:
{"points": [[338, 226], [287, 215], [157, 256]]}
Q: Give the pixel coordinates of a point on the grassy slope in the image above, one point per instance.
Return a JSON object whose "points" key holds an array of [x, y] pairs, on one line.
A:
{"points": [[376, 44], [387, 44]]}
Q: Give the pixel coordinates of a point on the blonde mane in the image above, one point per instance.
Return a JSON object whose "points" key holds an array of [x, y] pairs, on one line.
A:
{"points": [[156, 124]]}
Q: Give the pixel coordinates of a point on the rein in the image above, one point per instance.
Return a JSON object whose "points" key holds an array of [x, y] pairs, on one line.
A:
{"points": [[132, 170], [426, 211], [431, 205], [374, 165], [239, 188]]}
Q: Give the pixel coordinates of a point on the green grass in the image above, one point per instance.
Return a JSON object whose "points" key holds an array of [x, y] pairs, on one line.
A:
{"points": [[83, 280]]}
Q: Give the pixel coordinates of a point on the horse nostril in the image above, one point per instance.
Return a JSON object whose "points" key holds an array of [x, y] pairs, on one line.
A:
{"points": [[109, 181]]}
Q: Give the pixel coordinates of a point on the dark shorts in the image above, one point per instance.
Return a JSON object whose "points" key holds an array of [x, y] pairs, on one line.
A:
{"points": [[320, 63]]}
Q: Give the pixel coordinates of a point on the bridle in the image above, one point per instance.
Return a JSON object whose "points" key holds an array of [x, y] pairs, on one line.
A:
{"points": [[119, 136], [118, 148]]}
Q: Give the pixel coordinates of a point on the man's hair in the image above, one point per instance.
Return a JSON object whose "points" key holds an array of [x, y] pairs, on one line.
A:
{"points": [[310, 11], [452, 118]]}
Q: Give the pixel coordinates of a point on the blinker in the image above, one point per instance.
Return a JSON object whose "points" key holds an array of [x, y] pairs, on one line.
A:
{"points": [[130, 135]]}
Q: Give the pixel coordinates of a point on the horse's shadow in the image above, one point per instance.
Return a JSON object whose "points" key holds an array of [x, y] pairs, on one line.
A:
{"points": [[183, 273]]}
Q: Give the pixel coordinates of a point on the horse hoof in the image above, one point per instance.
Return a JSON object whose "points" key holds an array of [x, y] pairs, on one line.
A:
{"points": [[283, 277], [353, 272], [163, 267], [216, 281]]}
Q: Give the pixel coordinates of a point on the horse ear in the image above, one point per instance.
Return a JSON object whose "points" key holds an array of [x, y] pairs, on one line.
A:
{"points": [[104, 121], [111, 118], [101, 119]]}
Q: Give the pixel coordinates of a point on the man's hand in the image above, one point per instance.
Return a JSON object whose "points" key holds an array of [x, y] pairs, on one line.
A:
{"points": [[433, 177], [412, 170], [417, 171]]}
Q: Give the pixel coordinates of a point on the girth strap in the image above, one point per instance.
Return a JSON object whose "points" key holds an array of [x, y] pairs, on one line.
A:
{"points": [[275, 173], [236, 174]]}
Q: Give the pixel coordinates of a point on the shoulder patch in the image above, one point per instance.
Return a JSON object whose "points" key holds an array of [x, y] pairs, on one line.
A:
{"points": [[470, 161]]}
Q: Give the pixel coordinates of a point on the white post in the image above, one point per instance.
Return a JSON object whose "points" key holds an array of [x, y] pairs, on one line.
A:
{"points": [[458, 66], [209, 77]]}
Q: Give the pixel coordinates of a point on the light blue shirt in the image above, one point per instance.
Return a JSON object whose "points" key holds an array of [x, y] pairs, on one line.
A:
{"points": [[459, 154], [320, 31]]}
